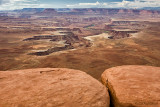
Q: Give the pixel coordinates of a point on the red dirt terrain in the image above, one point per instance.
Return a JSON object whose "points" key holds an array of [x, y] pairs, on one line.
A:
{"points": [[91, 40]]}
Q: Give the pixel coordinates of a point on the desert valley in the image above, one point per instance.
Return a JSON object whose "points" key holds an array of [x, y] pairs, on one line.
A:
{"points": [[91, 40], [79, 57]]}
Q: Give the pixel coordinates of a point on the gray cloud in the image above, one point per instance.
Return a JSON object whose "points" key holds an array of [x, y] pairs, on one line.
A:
{"points": [[4, 1]]}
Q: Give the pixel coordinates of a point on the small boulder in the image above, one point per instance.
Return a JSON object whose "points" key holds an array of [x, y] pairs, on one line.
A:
{"points": [[133, 86], [51, 87]]}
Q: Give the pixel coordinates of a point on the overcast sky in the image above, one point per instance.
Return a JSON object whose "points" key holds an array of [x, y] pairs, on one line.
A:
{"points": [[19, 4]]}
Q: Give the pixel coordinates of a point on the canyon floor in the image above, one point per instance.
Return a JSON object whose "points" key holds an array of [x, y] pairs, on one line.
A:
{"points": [[91, 44]]}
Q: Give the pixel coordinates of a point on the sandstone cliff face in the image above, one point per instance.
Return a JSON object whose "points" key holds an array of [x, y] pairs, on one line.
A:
{"points": [[46, 87], [118, 34], [133, 86]]}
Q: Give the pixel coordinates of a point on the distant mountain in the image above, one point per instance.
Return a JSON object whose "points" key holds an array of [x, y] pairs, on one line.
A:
{"points": [[30, 10], [151, 8], [63, 9], [49, 10], [118, 12], [100, 11]]}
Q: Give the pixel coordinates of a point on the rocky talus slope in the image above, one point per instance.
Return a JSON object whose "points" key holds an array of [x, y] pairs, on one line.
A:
{"points": [[47, 87], [133, 86]]}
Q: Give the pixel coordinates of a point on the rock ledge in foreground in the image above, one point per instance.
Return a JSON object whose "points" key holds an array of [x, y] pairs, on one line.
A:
{"points": [[49, 87], [133, 86]]}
